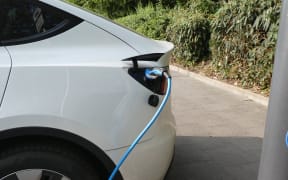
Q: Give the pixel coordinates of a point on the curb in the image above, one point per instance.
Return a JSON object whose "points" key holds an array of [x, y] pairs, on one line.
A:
{"points": [[226, 87]]}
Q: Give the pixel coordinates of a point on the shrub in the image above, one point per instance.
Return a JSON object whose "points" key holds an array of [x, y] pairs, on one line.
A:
{"points": [[191, 34], [172, 3], [243, 41], [120, 8], [150, 21], [206, 7], [111, 8]]}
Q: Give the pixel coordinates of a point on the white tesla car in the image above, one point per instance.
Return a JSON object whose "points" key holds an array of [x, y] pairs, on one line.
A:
{"points": [[74, 96]]}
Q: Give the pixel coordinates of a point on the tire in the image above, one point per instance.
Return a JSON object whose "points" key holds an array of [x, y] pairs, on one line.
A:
{"points": [[54, 161]]}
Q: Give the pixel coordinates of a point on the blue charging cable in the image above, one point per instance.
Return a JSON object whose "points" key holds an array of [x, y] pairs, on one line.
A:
{"points": [[286, 139], [150, 74]]}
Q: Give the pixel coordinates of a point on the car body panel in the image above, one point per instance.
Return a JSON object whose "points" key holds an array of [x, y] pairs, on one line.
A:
{"points": [[141, 44], [152, 158], [87, 88], [5, 67]]}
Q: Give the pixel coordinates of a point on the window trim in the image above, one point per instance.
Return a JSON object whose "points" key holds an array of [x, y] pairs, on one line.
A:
{"points": [[65, 25]]}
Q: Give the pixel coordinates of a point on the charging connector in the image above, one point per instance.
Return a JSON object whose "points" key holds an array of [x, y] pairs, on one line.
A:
{"points": [[153, 73]]}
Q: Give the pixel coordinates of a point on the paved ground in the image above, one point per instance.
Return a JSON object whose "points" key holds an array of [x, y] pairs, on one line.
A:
{"points": [[219, 135]]}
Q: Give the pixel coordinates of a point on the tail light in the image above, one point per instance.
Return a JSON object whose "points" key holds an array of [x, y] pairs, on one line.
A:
{"points": [[164, 83]]}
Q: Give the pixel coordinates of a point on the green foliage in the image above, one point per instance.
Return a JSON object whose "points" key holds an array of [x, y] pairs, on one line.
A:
{"points": [[206, 7], [150, 21], [167, 3], [172, 3], [120, 8], [244, 39], [190, 32], [111, 8]]}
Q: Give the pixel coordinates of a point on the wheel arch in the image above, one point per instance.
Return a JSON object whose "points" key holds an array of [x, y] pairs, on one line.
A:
{"points": [[41, 134]]}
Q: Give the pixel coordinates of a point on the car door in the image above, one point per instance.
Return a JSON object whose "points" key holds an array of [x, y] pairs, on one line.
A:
{"points": [[5, 66]]}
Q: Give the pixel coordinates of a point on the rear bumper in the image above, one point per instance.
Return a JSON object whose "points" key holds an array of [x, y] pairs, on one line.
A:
{"points": [[150, 159]]}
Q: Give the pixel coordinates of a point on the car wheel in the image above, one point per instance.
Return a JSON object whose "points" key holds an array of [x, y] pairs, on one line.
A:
{"points": [[40, 161]]}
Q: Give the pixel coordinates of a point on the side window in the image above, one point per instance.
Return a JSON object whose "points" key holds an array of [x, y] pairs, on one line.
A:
{"points": [[23, 21]]}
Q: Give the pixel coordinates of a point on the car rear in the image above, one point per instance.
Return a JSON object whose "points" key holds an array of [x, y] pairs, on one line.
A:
{"points": [[90, 81], [152, 157]]}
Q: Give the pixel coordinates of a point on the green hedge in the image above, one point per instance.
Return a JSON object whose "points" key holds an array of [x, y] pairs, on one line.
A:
{"points": [[109, 8], [244, 39], [190, 32], [205, 7], [150, 21], [120, 8]]}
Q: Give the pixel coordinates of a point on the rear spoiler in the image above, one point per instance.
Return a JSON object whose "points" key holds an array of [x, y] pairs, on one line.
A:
{"points": [[146, 57]]}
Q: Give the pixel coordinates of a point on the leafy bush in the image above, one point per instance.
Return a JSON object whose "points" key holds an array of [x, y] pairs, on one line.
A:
{"points": [[205, 7], [111, 8], [172, 3], [191, 34], [150, 21], [120, 8], [244, 39]]}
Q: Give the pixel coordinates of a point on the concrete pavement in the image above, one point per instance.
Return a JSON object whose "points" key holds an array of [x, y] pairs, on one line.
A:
{"points": [[219, 134]]}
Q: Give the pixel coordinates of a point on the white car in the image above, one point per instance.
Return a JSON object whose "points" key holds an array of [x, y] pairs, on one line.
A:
{"points": [[74, 96]]}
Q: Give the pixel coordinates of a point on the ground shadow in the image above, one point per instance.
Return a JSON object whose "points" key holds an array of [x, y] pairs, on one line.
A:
{"points": [[215, 158]]}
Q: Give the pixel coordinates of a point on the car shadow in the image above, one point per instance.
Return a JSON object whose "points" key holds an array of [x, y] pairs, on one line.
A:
{"points": [[215, 158]]}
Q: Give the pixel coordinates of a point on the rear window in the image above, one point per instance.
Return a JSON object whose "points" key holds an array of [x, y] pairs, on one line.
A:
{"points": [[30, 20]]}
